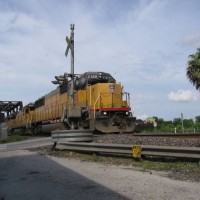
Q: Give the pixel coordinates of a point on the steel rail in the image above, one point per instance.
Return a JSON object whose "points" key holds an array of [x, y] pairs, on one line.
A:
{"points": [[127, 149], [174, 135]]}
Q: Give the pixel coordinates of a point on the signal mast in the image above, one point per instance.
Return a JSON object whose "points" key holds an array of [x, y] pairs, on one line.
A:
{"points": [[70, 46]]}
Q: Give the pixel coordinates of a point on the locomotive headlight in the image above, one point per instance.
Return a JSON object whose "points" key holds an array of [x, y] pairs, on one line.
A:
{"points": [[127, 113], [104, 113]]}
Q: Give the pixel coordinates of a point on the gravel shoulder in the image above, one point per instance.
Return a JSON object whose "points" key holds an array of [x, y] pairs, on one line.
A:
{"points": [[132, 183], [191, 171], [172, 168]]}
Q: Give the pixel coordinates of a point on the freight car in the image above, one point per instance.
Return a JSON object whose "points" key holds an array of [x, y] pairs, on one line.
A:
{"points": [[92, 101]]}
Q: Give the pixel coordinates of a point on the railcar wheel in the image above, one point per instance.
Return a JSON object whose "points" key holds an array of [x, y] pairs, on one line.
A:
{"points": [[37, 130]]}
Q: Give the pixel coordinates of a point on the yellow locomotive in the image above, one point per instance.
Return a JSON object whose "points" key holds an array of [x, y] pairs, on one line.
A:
{"points": [[91, 101], [99, 104]]}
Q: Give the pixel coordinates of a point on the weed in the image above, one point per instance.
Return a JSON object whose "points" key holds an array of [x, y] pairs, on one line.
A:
{"points": [[13, 138]]}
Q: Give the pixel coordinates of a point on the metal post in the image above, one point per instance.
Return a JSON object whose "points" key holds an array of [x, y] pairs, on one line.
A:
{"points": [[70, 46], [112, 101], [128, 100], [72, 62], [182, 122]]}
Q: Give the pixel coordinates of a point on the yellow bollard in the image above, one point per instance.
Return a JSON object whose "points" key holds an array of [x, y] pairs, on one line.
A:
{"points": [[137, 151]]}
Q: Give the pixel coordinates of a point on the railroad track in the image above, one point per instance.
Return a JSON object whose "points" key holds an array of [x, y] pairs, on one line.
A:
{"points": [[132, 150], [174, 135]]}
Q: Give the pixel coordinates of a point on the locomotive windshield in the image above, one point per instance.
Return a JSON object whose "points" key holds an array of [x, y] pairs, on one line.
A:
{"points": [[93, 78]]}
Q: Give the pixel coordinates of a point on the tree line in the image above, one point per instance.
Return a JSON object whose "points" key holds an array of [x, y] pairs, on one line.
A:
{"points": [[177, 125]]}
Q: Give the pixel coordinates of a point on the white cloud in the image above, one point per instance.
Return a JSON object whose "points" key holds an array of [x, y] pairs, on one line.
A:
{"points": [[142, 97], [147, 10], [137, 42], [143, 116], [192, 38], [182, 96]]}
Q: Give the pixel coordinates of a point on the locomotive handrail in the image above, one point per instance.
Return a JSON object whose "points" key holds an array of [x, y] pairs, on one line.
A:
{"points": [[90, 94], [29, 120], [127, 96], [95, 105]]}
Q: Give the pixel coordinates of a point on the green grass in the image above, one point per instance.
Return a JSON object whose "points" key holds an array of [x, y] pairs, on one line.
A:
{"points": [[144, 164], [94, 158], [13, 138], [167, 166]]}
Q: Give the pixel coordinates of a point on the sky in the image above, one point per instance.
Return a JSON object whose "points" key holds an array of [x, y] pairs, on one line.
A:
{"points": [[143, 44]]}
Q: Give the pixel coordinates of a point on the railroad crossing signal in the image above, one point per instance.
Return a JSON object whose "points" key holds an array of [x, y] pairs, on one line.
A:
{"points": [[70, 41]]}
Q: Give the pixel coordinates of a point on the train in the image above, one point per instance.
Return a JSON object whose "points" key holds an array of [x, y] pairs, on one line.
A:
{"points": [[100, 104], [91, 101]]}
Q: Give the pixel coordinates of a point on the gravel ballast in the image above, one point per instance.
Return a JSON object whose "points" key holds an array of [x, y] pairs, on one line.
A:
{"points": [[146, 140]]}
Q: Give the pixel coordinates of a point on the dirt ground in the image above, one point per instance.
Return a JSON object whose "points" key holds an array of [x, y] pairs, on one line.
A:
{"points": [[174, 169]]}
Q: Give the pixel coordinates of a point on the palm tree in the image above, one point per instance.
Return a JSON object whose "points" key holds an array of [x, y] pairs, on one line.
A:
{"points": [[193, 69]]}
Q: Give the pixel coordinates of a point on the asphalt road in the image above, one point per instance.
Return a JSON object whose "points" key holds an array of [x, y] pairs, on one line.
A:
{"points": [[29, 176], [26, 144], [26, 175]]}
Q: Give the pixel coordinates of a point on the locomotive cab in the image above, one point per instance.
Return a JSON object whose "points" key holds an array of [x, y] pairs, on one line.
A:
{"points": [[108, 107]]}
